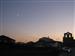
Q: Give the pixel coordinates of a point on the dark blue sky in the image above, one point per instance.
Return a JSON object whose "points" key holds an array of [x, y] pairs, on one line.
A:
{"points": [[27, 20]]}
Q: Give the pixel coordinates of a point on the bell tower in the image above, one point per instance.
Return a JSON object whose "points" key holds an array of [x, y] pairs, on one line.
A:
{"points": [[68, 35], [68, 38]]}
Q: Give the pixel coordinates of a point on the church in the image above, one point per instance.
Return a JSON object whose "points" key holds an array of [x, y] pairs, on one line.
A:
{"points": [[68, 40]]}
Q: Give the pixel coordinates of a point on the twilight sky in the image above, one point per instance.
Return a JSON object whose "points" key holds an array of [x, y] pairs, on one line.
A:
{"points": [[28, 20]]}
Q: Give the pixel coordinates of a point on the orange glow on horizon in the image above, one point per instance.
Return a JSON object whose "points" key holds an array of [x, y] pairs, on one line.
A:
{"points": [[34, 38]]}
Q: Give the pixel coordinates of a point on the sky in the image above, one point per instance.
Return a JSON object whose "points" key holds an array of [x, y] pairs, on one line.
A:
{"points": [[29, 20]]}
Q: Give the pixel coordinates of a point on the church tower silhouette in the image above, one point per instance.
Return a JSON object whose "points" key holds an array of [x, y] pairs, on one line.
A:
{"points": [[68, 39]]}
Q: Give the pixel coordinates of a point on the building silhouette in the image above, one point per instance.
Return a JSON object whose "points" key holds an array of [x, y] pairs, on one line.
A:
{"points": [[68, 39], [45, 42], [6, 40]]}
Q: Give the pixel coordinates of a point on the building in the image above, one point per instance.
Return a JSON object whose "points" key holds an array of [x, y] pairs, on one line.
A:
{"points": [[6, 40], [44, 42], [68, 39]]}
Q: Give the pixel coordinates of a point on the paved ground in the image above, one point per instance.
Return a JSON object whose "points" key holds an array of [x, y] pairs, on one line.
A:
{"points": [[29, 52], [73, 52], [33, 52]]}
